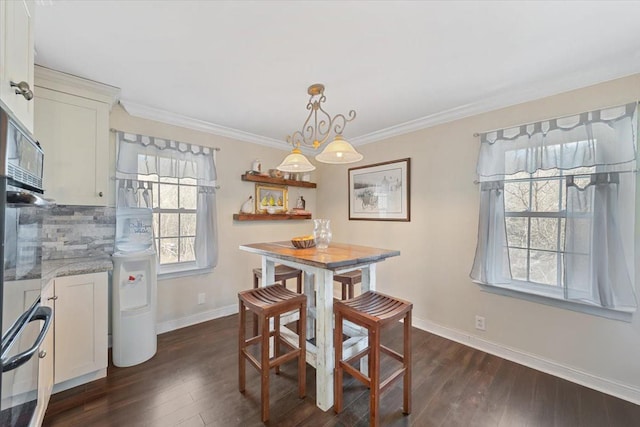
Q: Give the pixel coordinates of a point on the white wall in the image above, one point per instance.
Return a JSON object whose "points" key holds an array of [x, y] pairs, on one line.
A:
{"points": [[438, 245], [177, 298]]}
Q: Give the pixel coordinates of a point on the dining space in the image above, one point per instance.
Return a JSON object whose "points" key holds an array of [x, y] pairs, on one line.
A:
{"points": [[326, 342]]}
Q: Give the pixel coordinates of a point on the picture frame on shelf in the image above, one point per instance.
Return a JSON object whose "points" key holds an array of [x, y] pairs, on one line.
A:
{"points": [[381, 191], [271, 196]]}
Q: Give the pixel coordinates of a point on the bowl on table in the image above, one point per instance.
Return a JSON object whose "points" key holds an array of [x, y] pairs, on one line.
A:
{"points": [[303, 242]]}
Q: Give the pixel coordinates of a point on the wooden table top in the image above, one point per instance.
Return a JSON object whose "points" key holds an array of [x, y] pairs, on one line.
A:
{"points": [[337, 255]]}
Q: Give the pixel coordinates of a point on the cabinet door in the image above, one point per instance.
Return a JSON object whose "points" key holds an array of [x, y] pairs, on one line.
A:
{"points": [[81, 325], [74, 134], [16, 44], [46, 354]]}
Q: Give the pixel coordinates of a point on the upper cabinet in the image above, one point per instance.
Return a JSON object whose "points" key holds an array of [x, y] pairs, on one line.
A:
{"points": [[16, 59], [72, 126]]}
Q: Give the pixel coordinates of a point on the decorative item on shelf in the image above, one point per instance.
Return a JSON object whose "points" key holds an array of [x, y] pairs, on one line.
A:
{"points": [[300, 203], [275, 173], [256, 166], [273, 209], [322, 232], [247, 206], [274, 196], [303, 242], [315, 132]]}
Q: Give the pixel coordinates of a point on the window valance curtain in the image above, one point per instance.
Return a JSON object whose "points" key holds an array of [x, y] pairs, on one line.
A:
{"points": [[147, 155], [604, 138]]}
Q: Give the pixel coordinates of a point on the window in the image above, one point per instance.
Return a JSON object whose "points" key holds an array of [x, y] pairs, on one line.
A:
{"points": [[557, 209], [174, 219], [177, 181], [535, 217]]}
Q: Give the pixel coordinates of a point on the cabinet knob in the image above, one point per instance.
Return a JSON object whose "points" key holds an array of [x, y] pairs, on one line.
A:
{"points": [[23, 89], [100, 194], [42, 354], [53, 298]]}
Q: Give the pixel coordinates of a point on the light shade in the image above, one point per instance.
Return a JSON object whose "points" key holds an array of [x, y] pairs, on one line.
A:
{"points": [[295, 162], [339, 151]]}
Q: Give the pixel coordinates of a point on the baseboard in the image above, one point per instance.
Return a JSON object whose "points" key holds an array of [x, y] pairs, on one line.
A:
{"points": [[75, 382], [604, 385], [171, 325]]}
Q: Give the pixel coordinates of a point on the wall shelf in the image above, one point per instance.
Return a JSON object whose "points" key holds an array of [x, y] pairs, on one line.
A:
{"points": [[269, 217], [278, 181]]}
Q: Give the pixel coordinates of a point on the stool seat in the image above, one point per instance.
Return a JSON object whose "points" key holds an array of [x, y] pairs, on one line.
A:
{"points": [[372, 311], [348, 280], [267, 303]]}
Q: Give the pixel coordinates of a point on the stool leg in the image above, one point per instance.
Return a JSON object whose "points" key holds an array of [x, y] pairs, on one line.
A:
{"points": [[276, 339], [241, 347], [374, 369], [255, 316], [407, 364], [264, 369], [337, 374], [351, 293], [298, 290], [344, 291], [302, 358]]}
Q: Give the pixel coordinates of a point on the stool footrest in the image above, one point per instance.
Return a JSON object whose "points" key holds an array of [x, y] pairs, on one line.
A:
{"points": [[392, 353], [277, 361], [356, 374], [391, 378]]}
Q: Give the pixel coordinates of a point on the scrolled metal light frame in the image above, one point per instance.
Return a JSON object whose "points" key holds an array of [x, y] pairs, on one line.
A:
{"points": [[319, 124]]}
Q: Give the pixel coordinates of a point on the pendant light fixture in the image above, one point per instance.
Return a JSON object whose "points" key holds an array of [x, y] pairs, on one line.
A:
{"points": [[316, 130]]}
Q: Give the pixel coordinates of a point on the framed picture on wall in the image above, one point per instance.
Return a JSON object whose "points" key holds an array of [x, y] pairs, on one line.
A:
{"points": [[381, 192], [273, 197]]}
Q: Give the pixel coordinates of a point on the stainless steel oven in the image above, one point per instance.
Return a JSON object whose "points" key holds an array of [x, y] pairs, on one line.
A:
{"points": [[24, 321]]}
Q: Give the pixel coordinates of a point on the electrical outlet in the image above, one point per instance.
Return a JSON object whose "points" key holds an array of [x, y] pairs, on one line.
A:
{"points": [[480, 325], [202, 298]]}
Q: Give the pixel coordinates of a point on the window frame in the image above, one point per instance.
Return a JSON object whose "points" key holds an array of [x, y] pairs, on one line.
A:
{"points": [[180, 268]]}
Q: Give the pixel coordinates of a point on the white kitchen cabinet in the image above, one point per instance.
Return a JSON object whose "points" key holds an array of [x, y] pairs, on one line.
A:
{"points": [[81, 325], [16, 58], [72, 126]]}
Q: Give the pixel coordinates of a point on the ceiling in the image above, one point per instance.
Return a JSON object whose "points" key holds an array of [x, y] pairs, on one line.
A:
{"points": [[243, 67]]}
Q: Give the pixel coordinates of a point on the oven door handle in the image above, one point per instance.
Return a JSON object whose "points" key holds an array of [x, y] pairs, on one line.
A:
{"points": [[42, 313]]}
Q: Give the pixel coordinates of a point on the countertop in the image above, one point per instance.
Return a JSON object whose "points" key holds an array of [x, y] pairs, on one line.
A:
{"points": [[73, 266]]}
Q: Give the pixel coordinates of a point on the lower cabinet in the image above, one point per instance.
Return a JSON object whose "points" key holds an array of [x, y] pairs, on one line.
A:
{"points": [[45, 363], [81, 327]]}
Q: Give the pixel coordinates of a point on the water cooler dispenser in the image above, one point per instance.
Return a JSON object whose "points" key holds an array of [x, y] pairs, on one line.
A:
{"points": [[134, 288]]}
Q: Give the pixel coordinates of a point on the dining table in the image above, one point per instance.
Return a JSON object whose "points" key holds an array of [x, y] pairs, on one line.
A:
{"points": [[319, 267]]}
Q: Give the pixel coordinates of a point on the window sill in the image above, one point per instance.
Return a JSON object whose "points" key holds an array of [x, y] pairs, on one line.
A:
{"points": [[181, 270], [555, 301]]}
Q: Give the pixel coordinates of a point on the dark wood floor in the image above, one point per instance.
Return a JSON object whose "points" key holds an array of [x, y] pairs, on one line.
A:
{"points": [[192, 381]]}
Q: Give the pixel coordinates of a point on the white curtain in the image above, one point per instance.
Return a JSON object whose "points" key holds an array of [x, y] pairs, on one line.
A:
{"points": [[600, 216], [140, 155], [491, 263], [596, 268]]}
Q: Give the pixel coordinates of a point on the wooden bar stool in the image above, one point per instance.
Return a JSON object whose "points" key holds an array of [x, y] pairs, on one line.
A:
{"points": [[373, 310], [271, 302], [348, 281], [282, 274]]}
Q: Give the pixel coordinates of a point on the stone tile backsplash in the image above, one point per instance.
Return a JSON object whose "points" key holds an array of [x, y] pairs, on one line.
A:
{"points": [[78, 232]]}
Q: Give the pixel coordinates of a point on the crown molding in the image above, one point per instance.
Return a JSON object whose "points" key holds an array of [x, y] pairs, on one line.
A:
{"points": [[503, 100], [146, 112], [68, 83]]}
